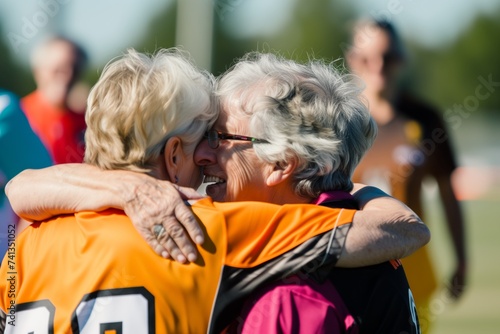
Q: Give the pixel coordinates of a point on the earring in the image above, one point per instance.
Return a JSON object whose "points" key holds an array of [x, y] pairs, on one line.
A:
{"points": [[176, 179]]}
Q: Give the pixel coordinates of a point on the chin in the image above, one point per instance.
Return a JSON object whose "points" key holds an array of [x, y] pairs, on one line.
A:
{"points": [[216, 192]]}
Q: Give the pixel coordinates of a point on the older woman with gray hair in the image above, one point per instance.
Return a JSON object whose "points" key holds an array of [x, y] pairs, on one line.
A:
{"points": [[310, 114], [313, 130]]}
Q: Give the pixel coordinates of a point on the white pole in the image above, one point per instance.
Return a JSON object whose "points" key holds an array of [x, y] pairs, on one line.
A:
{"points": [[194, 30]]}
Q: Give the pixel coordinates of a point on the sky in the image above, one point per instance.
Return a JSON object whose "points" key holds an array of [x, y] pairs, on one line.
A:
{"points": [[429, 22], [101, 27], [106, 27]]}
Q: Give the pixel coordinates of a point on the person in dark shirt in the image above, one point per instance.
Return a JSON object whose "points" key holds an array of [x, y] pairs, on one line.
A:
{"points": [[412, 144]]}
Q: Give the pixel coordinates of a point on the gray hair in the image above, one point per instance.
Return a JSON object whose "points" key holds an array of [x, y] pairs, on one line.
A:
{"points": [[311, 112], [139, 102]]}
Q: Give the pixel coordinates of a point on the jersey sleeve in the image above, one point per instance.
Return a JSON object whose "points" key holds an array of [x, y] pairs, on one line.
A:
{"points": [[260, 232]]}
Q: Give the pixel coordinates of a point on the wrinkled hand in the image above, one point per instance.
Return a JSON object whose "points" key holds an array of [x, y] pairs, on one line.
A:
{"points": [[457, 282], [156, 202]]}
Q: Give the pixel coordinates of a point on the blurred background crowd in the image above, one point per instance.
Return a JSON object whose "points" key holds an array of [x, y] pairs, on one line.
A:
{"points": [[452, 58]]}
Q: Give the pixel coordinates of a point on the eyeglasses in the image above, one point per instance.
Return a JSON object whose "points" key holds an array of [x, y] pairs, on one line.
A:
{"points": [[214, 137]]}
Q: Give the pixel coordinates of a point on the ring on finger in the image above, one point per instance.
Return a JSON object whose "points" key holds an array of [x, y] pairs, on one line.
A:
{"points": [[158, 231]]}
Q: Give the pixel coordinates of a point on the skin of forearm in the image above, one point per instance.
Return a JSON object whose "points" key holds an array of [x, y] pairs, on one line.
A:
{"points": [[40, 194], [454, 218], [385, 229], [381, 238]]}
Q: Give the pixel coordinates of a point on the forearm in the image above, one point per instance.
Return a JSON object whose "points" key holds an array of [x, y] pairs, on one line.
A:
{"points": [[384, 229], [454, 219], [42, 193], [455, 222]]}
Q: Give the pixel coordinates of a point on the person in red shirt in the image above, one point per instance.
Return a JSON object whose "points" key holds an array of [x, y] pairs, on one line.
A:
{"points": [[56, 108]]}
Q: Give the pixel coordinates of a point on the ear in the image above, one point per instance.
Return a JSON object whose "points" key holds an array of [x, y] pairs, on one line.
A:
{"points": [[349, 56], [282, 171], [173, 159]]}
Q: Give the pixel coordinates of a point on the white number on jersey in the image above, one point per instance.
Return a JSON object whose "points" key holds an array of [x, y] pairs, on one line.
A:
{"points": [[120, 311]]}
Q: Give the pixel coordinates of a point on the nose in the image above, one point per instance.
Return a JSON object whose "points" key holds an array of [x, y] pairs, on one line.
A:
{"points": [[204, 155]]}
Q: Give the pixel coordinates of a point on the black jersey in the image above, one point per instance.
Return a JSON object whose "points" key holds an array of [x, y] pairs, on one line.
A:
{"points": [[378, 296]]}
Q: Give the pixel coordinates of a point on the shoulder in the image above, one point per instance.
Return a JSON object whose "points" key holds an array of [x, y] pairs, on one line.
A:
{"points": [[30, 100], [108, 228], [9, 103], [259, 213], [8, 96], [111, 224], [419, 110], [76, 117]]}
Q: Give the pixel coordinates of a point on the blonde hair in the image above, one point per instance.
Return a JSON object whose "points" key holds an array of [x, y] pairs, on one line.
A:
{"points": [[139, 102]]}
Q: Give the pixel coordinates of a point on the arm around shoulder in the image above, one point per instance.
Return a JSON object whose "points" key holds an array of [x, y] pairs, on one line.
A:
{"points": [[67, 188], [384, 229], [37, 194]]}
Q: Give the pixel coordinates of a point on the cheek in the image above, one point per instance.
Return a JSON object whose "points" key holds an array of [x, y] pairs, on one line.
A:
{"points": [[195, 177], [191, 172], [238, 174], [245, 175]]}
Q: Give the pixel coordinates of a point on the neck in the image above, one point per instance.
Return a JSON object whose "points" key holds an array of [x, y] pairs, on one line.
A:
{"points": [[286, 195], [54, 98], [381, 108], [158, 169]]}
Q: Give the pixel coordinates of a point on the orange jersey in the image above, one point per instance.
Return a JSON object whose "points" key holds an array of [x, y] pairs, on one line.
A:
{"points": [[93, 273]]}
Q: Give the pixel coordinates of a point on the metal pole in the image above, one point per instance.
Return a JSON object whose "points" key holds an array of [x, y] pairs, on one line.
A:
{"points": [[195, 29]]}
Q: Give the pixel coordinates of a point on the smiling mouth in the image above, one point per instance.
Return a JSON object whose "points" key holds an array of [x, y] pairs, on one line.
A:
{"points": [[213, 179]]}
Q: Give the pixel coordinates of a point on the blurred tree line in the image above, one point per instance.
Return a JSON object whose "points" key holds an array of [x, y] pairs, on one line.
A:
{"points": [[13, 76], [451, 75], [446, 76]]}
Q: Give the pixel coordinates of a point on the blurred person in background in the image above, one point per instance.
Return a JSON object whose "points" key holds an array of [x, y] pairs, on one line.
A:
{"points": [[412, 145], [20, 149], [56, 108]]}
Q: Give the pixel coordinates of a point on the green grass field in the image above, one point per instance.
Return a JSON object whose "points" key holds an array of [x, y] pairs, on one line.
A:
{"points": [[478, 311]]}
